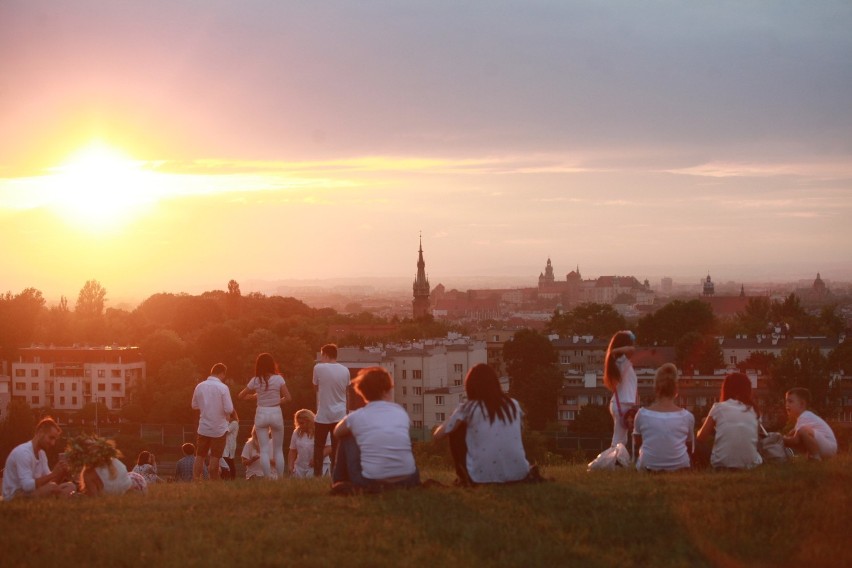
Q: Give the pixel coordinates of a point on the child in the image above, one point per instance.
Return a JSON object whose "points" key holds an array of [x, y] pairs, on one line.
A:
{"points": [[811, 434], [620, 379], [301, 456]]}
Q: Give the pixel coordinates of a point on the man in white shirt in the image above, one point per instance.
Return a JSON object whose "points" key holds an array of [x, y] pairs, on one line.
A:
{"points": [[811, 433], [212, 399], [27, 473], [331, 380]]}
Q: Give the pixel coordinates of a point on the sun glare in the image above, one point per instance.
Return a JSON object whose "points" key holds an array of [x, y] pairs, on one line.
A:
{"points": [[99, 187]]}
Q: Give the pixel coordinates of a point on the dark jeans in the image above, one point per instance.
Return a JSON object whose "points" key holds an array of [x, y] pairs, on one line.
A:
{"points": [[321, 432], [347, 467]]}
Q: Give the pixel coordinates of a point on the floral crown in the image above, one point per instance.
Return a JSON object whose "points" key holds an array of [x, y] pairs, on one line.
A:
{"points": [[91, 451]]}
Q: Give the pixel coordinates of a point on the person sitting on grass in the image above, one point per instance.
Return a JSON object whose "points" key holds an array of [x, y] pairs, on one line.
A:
{"points": [[146, 466], [27, 473], [374, 449], [664, 430], [101, 472], [811, 434], [184, 466], [485, 433], [733, 426]]}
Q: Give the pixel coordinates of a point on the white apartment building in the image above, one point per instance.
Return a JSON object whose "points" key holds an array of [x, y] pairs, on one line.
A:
{"points": [[428, 375], [67, 378]]}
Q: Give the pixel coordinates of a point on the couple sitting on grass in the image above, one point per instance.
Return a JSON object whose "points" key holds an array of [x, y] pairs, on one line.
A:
{"points": [[665, 431], [374, 448]]}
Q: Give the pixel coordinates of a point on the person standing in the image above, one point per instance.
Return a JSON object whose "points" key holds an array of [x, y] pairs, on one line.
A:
{"points": [[270, 390], [213, 401], [331, 380], [231, 446], [620, 379], [27, 473]]}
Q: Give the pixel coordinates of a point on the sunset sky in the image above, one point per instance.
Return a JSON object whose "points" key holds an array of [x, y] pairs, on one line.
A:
{"points": [[171, 146]]}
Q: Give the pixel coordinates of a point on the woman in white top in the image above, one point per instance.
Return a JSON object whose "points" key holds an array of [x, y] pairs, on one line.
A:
{"points": [[300, 460], [374, 443], [270, 390], [733, 426], [620, 379], [485, 432], [665, 431]]}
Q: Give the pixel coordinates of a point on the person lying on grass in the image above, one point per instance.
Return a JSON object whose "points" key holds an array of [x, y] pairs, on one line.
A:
{"points": [[101, 472], [485, 433], [811, 434], [374, 445]]}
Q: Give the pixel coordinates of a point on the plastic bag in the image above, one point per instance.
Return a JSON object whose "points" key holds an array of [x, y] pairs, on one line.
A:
{"points": [[611, 458], [771, 448]]}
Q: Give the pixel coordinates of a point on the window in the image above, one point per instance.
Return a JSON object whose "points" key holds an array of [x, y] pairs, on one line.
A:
{"points": [[404, 391], [115, 373], [439, 401], [34, 400], [405, 406], [416, 374], [564, 359], [417, 408], [33, 372], [116, 387], [74, 400], [62, 400], [87, 372], [20, 372], [404, 374], [101, 373], [74, 387], [458, 368], [440, 416], [733, 359], [418, 424], [20, 386], [116, 402], [457, 382], [35, 386], [102, 387], [417, 391], [566, 415]]}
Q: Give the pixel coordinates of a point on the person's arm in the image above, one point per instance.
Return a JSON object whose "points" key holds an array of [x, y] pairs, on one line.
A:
{"points": [[291, 460], [708, 429], [342, 429], [246, 394]]}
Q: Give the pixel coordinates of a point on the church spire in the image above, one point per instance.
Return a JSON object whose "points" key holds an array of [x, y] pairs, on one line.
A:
{"points": [[420, 304]]}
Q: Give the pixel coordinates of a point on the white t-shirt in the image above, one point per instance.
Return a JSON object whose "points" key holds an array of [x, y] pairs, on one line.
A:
{"points": [[117, 481], [664, 438], [268, 394], [735, 444], [822, 432], [254, 469], [331, 380], [213, 399], [495, 452], [381, 430], [304, 446], [628, 385], [23, 467]]}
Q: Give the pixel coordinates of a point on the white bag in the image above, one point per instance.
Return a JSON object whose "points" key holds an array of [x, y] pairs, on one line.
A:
{"points": [[611, 458]]}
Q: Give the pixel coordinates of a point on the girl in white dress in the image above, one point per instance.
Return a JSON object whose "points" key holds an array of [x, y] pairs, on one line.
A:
{"points": [[301, 456], [620, 379]]}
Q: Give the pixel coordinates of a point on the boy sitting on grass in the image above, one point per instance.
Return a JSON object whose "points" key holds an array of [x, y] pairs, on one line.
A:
{"points": [[811, 433]]}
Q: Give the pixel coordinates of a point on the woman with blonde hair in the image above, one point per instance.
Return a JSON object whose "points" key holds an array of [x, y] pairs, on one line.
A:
{"points": [[300, 460], [664, 430], [270, 390]]}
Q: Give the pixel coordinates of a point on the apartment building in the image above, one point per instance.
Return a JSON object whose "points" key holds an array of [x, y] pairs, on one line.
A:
{"points": [[67, 378]]}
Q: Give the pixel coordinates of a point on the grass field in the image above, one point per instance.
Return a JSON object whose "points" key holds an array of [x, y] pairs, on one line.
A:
{"points": [[795, 515]]}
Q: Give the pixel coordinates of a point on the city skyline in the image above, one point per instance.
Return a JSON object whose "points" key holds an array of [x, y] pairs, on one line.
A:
{"points": [[171, 148]]}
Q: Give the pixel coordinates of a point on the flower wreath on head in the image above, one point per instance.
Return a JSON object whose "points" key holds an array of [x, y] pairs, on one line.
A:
{"points": [[90, 451]]}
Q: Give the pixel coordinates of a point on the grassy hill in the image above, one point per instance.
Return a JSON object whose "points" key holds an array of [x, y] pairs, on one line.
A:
{"points": [[794, 515]]}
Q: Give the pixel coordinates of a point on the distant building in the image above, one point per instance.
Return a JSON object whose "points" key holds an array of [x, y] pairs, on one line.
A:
{"points": [[67, 378], [5, 390], [708, 289], [420, 304]]}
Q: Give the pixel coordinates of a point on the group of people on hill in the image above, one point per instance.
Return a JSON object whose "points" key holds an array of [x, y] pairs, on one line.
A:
{"points": [[665, 433]]}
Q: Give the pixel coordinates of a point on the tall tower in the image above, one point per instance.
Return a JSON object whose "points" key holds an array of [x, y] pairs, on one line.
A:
{"points": [[420, 304]]}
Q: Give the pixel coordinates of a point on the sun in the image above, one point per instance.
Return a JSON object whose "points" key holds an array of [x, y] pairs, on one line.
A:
{"points": [[99, 186]]}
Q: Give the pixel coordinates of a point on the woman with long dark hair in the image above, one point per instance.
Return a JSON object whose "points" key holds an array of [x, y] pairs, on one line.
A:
{"points": [[270, 390], [620, 379], [733, 426], [485, 432]]}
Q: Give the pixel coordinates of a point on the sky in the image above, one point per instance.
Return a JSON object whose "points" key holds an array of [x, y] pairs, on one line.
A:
{"points": [[165, 146]]}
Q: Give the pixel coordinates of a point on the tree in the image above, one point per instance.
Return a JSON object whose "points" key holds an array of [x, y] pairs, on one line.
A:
{"points": [[20, 316], [840, 359], [598, 320], [670, 323], [161, 347], [16, 427], [534, 377], [758, 361], [801, 365], [756, 316], [90, 301], [699, 352], [593, 419]]}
